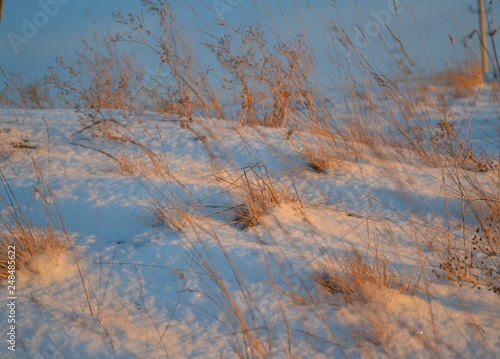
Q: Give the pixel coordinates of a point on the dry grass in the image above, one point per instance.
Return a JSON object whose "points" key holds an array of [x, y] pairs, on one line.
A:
{"points": [[320, 157], [254, 193], [459, 81], [272, 87], [170, 213], [186, 91], [35, 238], [238, 311], [464, 79], [131, 157], [472, 259], [100, 78], [19, 235], [320, 147], [28, 243], [19, 93], [148, 166], [352, 278]]}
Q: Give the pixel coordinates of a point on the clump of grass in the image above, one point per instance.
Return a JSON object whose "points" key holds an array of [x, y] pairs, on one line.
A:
{"points": [[474, 259], [272, 81], [130, 165], [125, 165], [321, 152], [269, 74], [319, 145], [464, 78], [27, 244], [18, 93], [20, 237], [106, 76], [167, 212], [318, 164], [353, 278], [449, 143], [485, 253], [100, 78], [186, 91], [172, 207], [457, 81], [255, 193], [477, 266]]}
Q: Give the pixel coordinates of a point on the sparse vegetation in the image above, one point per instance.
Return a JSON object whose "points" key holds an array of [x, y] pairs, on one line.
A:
{"points": [[392, 146], [20, 236], [19, 93], [254, 194], [169, 212], [473, 260], [351, 278]]}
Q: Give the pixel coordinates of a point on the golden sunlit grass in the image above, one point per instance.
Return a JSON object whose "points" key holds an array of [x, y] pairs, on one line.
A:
{"points": [[18, 235], [254, 193], [459, 81], [352, 278], [270, 83], [320, 151], [170, 213], [466, 77], [28, 244]]}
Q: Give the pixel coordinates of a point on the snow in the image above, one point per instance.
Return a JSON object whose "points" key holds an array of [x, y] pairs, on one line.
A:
{"points": [[188, 289]]}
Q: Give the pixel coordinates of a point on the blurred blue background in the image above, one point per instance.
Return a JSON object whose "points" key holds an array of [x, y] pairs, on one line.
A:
{"points": [[33, 32]]}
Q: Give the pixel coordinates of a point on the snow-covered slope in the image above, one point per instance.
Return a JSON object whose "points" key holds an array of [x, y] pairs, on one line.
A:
{"points": [[195, 283]]}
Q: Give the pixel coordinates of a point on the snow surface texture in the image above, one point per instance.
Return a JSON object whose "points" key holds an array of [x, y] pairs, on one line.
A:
{"points": [[166, 283]]}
